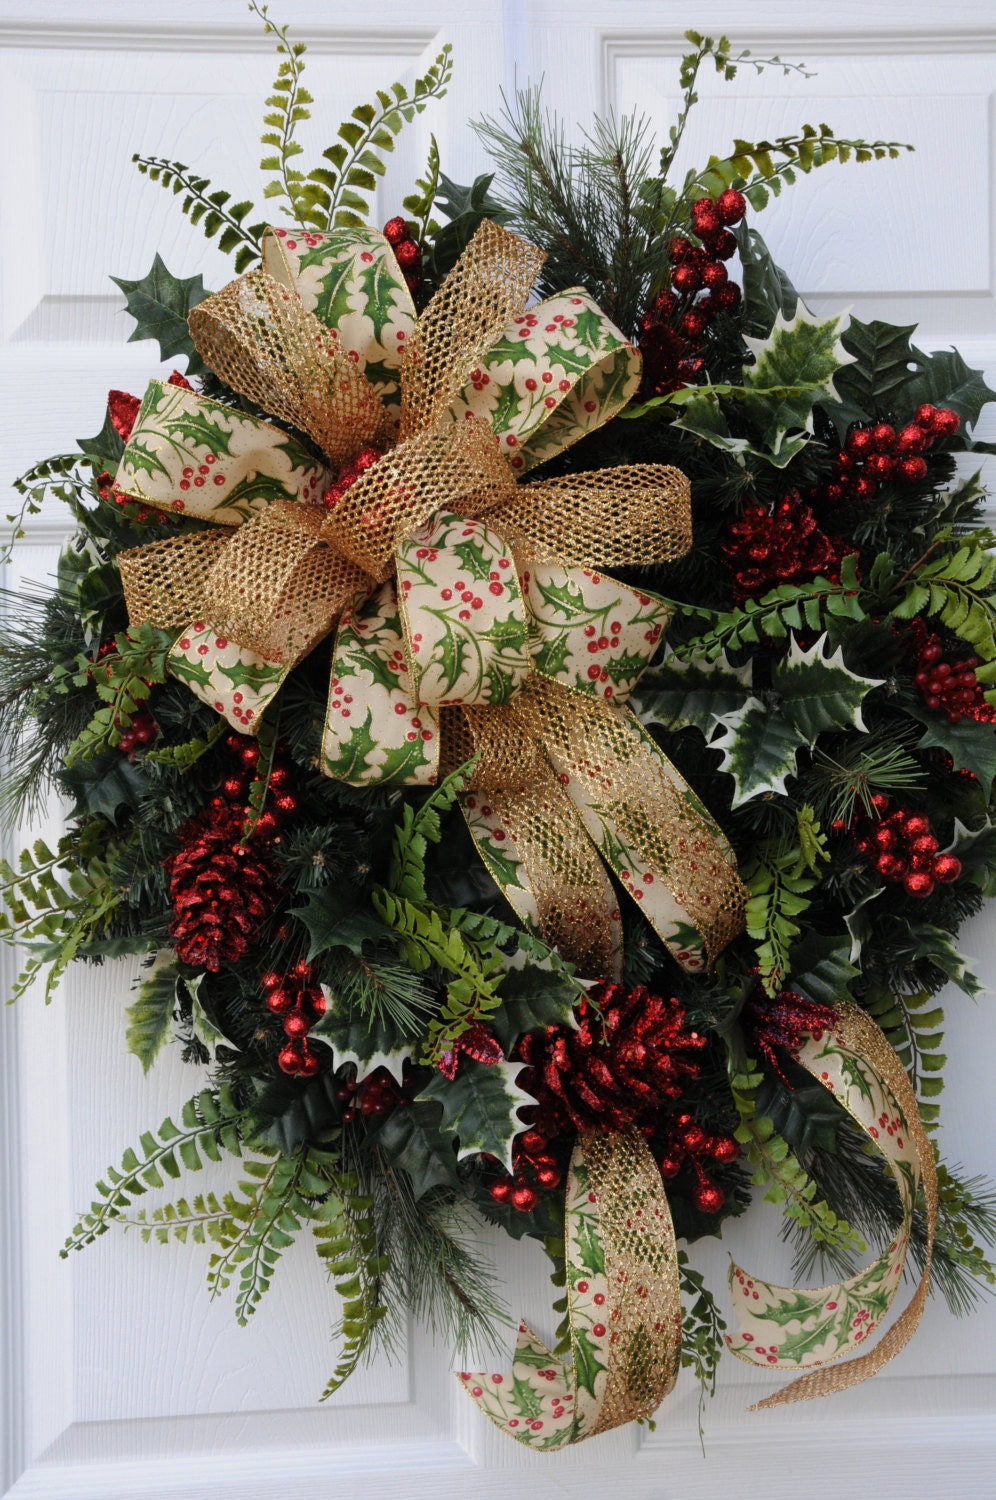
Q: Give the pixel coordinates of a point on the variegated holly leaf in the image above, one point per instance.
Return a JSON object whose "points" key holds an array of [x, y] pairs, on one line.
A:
{"points": [[937, 945], [413, 1141], [803, 352], [481, 1107], [696, 692], [976, 848], [367, 1041], [817, 692], [758, 748], [858, 922]]}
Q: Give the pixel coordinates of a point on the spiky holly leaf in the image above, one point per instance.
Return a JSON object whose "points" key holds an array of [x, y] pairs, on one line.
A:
{"points": [[413, 1141], [804, 352], [696, 692], [481, 1107], [104, 451], [367, 1041], [976, 848], [937, 946], [339, 917], [972, 746], [150, 1013], [758, 748], [944, 379], [817, 692], [767, 289], [882, 369], [858, 922], [160, 303], [533, 997]]}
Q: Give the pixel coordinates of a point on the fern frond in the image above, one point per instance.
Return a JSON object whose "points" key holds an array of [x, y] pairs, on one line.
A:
{"points": [[218, 216]]}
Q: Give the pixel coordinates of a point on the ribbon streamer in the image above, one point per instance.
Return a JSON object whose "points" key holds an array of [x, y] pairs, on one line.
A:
{"points": [[623, 1303], [449, 585], [790, 1329]]}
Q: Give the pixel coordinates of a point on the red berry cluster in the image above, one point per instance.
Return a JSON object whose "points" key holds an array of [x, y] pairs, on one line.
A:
{"points": [[673, 327], [281, 801], [781, 545], [299, 1002], [781, 1023], [688, 1142], [407, 251], [534, 1170], [377, 1095], [349, 474], [904, 850], [876, 453], [949, 685]]}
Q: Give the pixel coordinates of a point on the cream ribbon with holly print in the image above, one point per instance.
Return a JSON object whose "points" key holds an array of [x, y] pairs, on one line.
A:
{"points": [[466, 604], [787, 1329], [623, 1304]]}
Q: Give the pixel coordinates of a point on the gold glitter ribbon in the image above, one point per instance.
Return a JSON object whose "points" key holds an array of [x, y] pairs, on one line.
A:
{"points": [[623, 1304], [597, 787]]}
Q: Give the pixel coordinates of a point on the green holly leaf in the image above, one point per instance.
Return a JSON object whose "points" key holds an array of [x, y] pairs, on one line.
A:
{"points": [[944, 379], [160, 304], [972, 746], [882, 370], [414, 1142], [758, 747], [532, 998], [104, 451], [150, 1013], [821, 969], [587, 1365], [481, 1107], [767, 289], [817, 692], [338, 917], [703, 417], [695, 693]]}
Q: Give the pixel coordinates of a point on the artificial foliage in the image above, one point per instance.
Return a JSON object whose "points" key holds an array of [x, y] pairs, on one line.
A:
{"points": [[391, 1051]]}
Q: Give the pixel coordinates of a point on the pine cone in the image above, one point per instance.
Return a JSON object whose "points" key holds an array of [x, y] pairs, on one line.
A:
{"points": [[629, 1057], [222, 890]]}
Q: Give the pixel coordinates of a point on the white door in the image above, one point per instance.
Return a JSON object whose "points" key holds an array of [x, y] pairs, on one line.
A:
{"points": [[117, 1377]]}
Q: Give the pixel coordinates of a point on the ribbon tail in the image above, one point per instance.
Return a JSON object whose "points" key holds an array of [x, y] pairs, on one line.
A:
{"points": [[532, 842], [537, 1404], [793, 1329]]}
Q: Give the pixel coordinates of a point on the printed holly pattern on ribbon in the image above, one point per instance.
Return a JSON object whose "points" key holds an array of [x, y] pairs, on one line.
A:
{"points": [[623, 1307], [451, 587], [792, 1329]]}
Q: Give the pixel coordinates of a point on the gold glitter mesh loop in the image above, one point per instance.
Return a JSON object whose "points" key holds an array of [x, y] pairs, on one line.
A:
{"points": [[164, 582], [434, 470], [278, 588], [486, 288], [641, 1268], [643, 799], [573, 895], [257, 337], [637, 513], [859, 1033]]}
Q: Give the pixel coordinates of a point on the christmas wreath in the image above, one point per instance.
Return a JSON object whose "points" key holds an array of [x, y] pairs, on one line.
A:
{"points": [[482, 880]]}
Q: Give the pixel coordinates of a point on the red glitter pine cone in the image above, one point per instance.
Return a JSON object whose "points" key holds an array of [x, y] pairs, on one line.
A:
{"points": [[222, 890]]}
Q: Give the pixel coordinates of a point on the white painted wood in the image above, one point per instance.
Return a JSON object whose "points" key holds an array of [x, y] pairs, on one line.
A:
{"points": [[117, 1377]]}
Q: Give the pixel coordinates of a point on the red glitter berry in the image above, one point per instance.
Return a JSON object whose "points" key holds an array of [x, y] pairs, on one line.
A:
{"points": [[731, 206], [705, 218], [408, 255], [945, 422], [396, 230]]}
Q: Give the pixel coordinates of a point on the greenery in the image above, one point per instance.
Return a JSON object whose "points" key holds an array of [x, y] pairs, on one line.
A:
{"points": [[792, 708]]}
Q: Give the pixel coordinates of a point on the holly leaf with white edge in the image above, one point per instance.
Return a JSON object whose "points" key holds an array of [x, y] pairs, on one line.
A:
{"points": [[937, 945], [481, 1107], [160, 304], [367, 1041], [804, 352], [817, 692], [976, 849], [859, 924], [758, 748], [696, 693]]}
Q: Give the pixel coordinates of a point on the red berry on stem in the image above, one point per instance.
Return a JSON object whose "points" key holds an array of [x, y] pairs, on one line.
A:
{"points": [[501, 1191], [524, 1198], [919, 883], [408, 255], [924, 415], [945, 422], [910, 470], [687, 279], [883, 437], [860, 442], [946, 867], [731, 206], [705, 218], [396, 230], [708, 1198]]}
